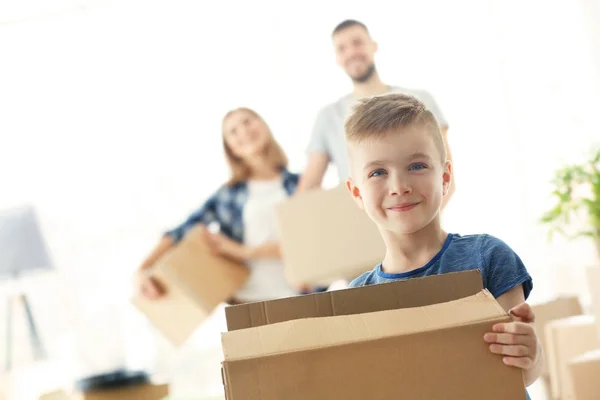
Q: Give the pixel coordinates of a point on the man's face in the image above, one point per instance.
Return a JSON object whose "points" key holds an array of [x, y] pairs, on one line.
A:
{"points": [[355, 52]]}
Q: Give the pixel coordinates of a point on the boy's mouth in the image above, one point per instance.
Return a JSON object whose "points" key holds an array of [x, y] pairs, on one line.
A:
{"points": [[403, 207]]}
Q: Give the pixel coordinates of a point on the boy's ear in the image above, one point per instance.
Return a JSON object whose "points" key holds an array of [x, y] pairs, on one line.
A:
{"points": [[447, 178], [355, 193]]}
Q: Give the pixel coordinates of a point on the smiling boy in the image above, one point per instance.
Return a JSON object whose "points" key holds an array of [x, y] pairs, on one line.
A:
{"points": [[399, 175]]}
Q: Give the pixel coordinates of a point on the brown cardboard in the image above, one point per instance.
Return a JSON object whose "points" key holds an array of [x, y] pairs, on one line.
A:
{"points": [[593, 275], [568, 338], [356, 343], [338, 330], [141, 392], [325, 237], [585, 374], [559, 308], [388, 296], [378, 355], [196, 283]]}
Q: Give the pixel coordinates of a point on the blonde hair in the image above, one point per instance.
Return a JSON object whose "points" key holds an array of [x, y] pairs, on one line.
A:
{"points": [[377, 116], [273, 152]]}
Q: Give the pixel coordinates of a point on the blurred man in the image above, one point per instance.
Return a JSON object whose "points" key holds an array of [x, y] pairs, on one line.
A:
{"points": [[355, 53]]}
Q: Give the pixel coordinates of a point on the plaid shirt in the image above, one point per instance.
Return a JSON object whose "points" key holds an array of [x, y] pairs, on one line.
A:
{"points": [[226, 207]]}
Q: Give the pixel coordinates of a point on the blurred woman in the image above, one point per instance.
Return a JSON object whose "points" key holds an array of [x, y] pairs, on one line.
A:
{"points": [[244, 209]]}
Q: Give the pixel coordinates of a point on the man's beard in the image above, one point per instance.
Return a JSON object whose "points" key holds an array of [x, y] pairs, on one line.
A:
{"points": [[366, 76]]}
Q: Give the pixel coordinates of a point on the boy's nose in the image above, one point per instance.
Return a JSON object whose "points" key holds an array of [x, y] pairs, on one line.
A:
{"points": [[399, 187]]}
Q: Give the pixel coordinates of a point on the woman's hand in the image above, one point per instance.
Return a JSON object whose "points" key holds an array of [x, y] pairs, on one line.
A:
{"points": [[144, 283], [148, 286]]}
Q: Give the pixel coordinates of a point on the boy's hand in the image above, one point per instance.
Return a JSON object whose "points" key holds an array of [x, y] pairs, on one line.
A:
{"points": [[516, 340]]}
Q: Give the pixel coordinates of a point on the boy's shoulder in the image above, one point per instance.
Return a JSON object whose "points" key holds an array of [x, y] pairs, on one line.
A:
{"points": [[482, 243], [477, 242], [500, 266], [367, 278], [479, 251]]}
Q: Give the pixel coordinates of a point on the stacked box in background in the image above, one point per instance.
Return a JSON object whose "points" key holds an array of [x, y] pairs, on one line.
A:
{"points": [[571, 342], [585, 375], [559, 308], [585, 369], [593, 275], [568, 338]]}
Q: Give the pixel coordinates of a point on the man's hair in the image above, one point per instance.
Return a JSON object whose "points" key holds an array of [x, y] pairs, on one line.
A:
{"points": [[376, 116], [347, 24]]}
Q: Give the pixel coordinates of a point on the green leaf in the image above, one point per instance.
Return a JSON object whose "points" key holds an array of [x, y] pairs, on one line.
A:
{"points": [[569, 203]]}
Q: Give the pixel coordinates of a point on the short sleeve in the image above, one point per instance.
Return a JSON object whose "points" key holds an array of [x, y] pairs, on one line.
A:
{"points": [[503, 268], [318, 138], [367, 278], [432, 105], [204, 215]]}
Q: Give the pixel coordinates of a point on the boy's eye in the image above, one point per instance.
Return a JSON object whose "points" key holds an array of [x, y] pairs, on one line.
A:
{"points": [[417, 167], [377, 172]]}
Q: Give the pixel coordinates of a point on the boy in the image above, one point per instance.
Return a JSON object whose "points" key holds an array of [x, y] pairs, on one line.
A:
{"points": [[399, 175]]}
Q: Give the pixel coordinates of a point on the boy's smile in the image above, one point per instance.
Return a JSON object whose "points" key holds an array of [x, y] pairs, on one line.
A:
{"points": [[403, 207]]}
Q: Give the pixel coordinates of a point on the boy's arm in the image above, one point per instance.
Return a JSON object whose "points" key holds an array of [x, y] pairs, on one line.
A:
{"points": [[519, 335]]}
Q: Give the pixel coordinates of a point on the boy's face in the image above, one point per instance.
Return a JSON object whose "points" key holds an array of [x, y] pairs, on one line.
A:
{"points": [[399, 179]]}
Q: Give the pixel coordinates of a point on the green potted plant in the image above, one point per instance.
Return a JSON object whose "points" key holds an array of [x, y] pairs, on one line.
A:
{"points": [[577, 191]]}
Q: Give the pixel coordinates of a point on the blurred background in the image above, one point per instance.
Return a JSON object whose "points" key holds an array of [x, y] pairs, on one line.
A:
{"points": [[110, 116]]}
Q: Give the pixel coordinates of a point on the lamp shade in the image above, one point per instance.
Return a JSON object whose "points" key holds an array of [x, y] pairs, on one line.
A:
{"points": [[22, 246]]}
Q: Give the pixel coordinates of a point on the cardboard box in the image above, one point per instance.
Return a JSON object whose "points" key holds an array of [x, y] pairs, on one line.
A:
{"points": [[390, 296], [559, 308], [370, 343], [593, 275], [568, 338], [325, 237], [196, 283], [138, 392], [585, 374]]}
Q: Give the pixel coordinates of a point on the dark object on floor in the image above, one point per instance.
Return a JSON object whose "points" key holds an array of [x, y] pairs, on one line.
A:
{"points": [[116, 379]]}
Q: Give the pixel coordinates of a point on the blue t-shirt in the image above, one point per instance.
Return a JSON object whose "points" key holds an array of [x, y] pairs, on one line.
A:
{"points": [[501, 268]]}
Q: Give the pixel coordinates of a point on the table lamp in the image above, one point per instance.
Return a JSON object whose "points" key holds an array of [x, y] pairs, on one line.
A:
{"points": [[22, 251]]}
